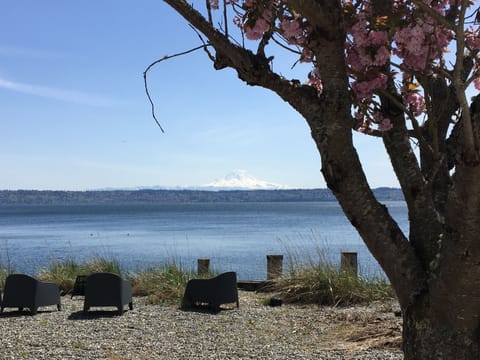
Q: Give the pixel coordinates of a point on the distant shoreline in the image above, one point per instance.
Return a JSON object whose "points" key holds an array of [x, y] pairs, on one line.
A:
{"points": [[97, 197]]}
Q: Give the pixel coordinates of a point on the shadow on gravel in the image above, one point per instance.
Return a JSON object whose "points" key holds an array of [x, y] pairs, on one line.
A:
{"points": [[205, 309], [23, 313], [92, 315]]}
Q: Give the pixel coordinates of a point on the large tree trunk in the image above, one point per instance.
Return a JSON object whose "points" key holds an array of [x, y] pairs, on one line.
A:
{"points": [[427, 337]]}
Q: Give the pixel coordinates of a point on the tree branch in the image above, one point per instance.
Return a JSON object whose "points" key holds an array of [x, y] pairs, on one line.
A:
{"points": [[405, 164], [167, 57], [469, 152]]}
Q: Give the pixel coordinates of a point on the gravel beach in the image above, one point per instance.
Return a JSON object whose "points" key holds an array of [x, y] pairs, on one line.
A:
{"points": [[254, 331]]}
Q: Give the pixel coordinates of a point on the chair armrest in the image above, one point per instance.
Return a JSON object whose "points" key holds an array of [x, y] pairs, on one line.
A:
{"points": [[126, 290], [48, 293]]}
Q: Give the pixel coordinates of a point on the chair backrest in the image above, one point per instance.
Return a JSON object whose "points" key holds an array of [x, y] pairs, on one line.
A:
{"points": [[19, 287], [227, 278], [109, 281], [226, 287], [103, 287]]}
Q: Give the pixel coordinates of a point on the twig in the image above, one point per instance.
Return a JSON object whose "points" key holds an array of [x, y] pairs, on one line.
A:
{"points": [[166, 57], [209, 11], [210, 56], [225, 17]]}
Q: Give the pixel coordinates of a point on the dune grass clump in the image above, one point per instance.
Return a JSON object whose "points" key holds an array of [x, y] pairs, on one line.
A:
{"points": [[312, 278], [62, 273], [161, 285], [325, 285], [65, 272], [165, 284], [4, 272]]}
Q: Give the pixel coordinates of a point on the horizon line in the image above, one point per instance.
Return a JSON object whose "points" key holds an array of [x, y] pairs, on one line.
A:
{"points": [[192, 188]]}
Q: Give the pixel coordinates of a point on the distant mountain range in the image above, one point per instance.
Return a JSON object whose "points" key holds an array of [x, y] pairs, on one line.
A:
{"points": [[236, 180], [49, 197]]}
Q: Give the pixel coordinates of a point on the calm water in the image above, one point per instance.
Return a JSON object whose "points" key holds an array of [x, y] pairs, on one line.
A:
{"points": [[235, 236]]}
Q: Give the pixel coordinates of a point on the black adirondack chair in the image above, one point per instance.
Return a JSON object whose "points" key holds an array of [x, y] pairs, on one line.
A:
{"points": [[107, 289], [213, 292], [23, 291]]}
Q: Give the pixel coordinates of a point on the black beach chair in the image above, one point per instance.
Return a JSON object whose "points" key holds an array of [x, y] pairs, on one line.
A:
{"points": [[23, 291], [213, 292], [107, 289], [79, 286]]}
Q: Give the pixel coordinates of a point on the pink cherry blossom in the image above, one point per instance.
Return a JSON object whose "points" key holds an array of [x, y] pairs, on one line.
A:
{"points": [[472, 38], [377, 38], [364, 89], [420, 42], [476, 83], [414, 102], [256, 32], [293, 31], [213, 4], [415, 42], [382, 56]]}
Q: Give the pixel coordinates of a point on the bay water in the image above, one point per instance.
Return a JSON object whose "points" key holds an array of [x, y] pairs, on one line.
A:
{"points": [[234, 236]]}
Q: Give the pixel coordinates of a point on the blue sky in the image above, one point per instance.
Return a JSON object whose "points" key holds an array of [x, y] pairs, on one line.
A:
{"points": [[74, 115]]}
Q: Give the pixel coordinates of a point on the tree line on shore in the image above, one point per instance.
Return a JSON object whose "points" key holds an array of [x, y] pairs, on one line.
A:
{"points": [[53, 197]]}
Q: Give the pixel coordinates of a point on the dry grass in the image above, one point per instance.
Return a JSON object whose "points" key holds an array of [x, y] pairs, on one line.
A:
{"points": [[324, 285], [64, 273], [164, 284]]}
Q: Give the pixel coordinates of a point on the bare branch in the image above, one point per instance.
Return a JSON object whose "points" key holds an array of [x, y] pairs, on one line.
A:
{"points": [[209, 11], [210, 56], [225, 17], [264, 42], [285, 46], [166, 57]]}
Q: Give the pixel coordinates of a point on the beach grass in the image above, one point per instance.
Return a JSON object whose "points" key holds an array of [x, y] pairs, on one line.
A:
{"points": [[64, 273], [325, 284], [311, 277], [307, 281], [4, 272], [321, 282], [162, 284]]}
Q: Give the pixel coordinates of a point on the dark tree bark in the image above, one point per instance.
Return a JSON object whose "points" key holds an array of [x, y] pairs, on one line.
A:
{"points": [[435, 271]]}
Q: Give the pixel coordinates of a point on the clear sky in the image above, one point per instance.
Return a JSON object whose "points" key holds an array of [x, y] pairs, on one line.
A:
{"points": [[74, 115]]}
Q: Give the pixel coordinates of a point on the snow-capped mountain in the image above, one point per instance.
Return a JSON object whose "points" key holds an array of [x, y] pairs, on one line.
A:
{"points": [[236, 180], [240, 180]]}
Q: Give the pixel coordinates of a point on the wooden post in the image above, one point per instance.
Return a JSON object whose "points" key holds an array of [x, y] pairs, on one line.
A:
{"points": [[274, 266], [203, 266], [348, 262]]}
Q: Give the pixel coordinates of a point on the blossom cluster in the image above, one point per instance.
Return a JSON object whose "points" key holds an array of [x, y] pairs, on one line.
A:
{"points": [[257, 20], [421, 42], [366, 53], [410, 40], [417, 40], [213, 4]]}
